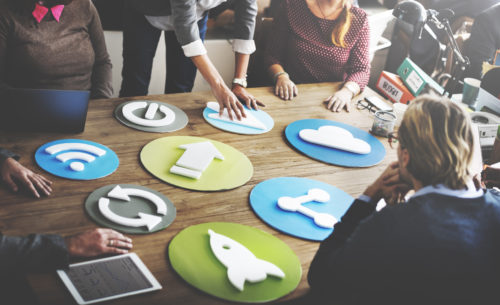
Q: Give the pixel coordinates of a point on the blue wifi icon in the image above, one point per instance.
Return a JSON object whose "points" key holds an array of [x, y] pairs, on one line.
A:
{"points": [[77, 159]]}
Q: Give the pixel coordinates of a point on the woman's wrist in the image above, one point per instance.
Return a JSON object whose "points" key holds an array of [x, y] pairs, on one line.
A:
{"points": [[280, 74]]}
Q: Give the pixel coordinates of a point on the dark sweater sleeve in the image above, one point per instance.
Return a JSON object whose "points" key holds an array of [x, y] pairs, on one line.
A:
{"points": [[33, 253], [245, 12], [4, 154], [4, 31], [277, 40], [319, 271], [101, 72]]}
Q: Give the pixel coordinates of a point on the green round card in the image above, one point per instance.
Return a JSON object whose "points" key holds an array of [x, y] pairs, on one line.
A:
{"points": [[196, 163], [193, 258], [130, 208]]}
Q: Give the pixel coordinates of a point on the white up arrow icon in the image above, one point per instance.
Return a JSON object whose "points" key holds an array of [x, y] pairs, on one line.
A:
{"points": [[150, 221], [195, 159]]}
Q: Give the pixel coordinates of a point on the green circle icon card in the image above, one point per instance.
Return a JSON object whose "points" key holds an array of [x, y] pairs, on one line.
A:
{"points": [[130, 208], [196, 163], [235, 262]]}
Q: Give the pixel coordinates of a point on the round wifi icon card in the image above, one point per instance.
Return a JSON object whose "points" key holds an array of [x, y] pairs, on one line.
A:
{"points": [[77, 159], [300, 207]]}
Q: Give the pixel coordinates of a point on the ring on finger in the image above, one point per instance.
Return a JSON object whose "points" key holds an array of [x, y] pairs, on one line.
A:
{"points": [[111, 242]]}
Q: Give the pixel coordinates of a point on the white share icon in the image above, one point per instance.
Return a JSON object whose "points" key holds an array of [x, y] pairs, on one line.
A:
{"points": [[291, 204]]}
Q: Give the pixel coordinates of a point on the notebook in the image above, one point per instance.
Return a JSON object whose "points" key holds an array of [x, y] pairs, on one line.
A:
{"points": [[44, 110]]}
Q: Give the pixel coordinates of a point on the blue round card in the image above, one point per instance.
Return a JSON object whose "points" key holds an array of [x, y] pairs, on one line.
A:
{"points": [[332, 155], [77, 159], [320, 206], [257, 121]]}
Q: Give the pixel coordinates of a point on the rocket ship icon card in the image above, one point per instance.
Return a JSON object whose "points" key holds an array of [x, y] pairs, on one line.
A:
{"points": [[235, 262]]}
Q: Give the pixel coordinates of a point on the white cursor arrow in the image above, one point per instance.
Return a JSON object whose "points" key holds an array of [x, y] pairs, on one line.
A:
{"points": [[248, 121], [128, 113], [123, 194], [144, 219], [196, 159]]}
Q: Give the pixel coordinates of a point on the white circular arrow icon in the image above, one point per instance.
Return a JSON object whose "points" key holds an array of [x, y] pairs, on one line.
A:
{"points": [[128, 113], [150, 221]]}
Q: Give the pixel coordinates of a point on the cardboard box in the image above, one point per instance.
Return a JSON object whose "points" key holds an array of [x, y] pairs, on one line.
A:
{"points": [[392, 87], [415, 79]]}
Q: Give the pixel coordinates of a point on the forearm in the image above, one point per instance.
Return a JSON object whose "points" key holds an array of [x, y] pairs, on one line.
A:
{"points": [[274, 70], [208, 71], [36, 252], [241, 65]]}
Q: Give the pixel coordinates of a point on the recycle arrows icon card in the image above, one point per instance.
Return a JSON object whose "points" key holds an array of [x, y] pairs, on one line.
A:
{"points": [[130, 208]]}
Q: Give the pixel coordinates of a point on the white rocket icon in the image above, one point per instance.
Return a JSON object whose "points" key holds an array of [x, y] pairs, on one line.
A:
{"points": [[241, 264]]}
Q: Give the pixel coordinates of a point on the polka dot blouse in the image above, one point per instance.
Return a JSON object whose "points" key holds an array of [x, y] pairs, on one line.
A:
{"points": [[301, 43]]}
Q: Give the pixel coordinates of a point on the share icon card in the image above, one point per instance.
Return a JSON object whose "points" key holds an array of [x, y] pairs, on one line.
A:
{"points": [[256, 122], [77, 159], [300, 207], [151, 116], [130, 208]]}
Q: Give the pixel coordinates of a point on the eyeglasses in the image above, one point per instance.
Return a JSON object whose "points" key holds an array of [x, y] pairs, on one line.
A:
{"points": [[362, 104], [392, 138]]}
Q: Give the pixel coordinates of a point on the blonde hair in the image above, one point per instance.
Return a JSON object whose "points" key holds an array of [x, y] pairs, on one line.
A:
{"points": [[438, 136], [343, 24]]}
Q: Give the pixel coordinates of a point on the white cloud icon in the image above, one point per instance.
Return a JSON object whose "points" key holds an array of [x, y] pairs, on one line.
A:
{"points": [[335, 137]]}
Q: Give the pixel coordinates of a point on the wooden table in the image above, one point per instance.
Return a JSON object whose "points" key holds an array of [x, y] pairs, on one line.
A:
{"points": [[63, 211]]}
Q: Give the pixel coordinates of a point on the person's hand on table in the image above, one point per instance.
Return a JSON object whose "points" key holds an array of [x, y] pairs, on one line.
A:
{"points": [[97, 242], [340, 100], [285, 88], [228, 100], [13, 173], [250, 101], [388, 186]]}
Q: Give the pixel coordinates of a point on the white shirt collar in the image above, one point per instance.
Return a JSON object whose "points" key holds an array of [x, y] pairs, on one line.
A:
{"points": [[469, 192]]}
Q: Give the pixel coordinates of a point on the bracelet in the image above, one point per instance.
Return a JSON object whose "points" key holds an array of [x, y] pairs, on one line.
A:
{"points": [[275, 77]]}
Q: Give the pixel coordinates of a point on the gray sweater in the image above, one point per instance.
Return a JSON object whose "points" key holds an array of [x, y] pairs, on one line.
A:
{"points": [[185, 21], [70, 54]]}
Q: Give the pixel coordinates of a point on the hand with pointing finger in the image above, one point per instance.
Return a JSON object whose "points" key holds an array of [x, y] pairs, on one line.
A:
{"points": [[13, 173], [228, 100]]}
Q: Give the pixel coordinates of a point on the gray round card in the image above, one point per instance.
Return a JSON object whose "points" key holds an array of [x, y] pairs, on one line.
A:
{"points": [[130, 208], [151, 116]]}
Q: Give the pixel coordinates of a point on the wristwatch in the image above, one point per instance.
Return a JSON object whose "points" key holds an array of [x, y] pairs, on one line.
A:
{"points": [[240, 81]]}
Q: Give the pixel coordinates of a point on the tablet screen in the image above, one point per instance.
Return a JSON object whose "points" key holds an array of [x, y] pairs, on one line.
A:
{"points": [[108, 278]]}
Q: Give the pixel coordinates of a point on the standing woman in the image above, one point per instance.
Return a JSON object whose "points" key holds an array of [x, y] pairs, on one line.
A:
{"points": [[184, 24], [53, 44], [319, 41]]}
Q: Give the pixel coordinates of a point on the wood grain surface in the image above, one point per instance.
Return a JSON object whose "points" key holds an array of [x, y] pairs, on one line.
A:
{"points": [[63, 211]]}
